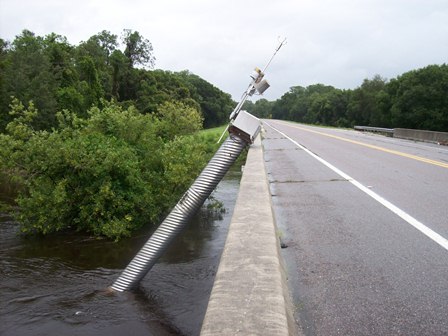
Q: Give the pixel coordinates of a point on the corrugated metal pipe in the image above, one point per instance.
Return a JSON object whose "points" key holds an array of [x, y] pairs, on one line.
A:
{"points": [[190, 202], [243, 129]]}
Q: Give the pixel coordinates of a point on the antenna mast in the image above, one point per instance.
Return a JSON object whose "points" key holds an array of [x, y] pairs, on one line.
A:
{"points": [[257, 84]]}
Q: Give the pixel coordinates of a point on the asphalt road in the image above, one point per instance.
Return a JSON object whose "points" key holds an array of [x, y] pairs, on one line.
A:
{"points": [[365, 221]]}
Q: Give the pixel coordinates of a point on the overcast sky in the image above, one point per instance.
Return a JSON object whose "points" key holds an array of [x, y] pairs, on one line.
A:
{"points": [[337, 43]]}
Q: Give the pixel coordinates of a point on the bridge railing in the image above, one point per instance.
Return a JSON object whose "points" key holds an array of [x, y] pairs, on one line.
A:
{"points": [[440, 138], [385, 131]]}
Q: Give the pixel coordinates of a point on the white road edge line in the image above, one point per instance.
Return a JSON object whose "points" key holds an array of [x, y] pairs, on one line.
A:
{"points": [[408, 218]]}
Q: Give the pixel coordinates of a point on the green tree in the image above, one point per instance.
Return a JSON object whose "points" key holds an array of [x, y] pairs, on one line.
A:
{"points": [[57, 76], [158, 86], [108, 43], [215, 105], [100, 48], [59, 53], [91, 88], [262, 108], [138, 50], [328, 107], [318, 105], [315, 104], [364, 107], [293, 105], [176, 119], [4, 98], [118, 63], [29, 76], [419, 99]]}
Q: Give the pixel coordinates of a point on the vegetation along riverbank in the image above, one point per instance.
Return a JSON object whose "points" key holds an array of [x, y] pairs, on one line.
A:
{"points": [[93, 138]]}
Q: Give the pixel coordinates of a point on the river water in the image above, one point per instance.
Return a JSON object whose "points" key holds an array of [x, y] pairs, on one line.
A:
{"points": [[57, 285]]}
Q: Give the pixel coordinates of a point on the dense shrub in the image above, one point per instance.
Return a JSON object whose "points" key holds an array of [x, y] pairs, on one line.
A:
{"points": [[106, 174]]}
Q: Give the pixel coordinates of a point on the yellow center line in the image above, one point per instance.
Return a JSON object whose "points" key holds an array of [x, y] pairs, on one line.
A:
{"points": [[391, 151]]}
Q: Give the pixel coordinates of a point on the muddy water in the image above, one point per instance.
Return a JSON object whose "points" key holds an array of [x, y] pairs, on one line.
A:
{"points": [[56, 286]]}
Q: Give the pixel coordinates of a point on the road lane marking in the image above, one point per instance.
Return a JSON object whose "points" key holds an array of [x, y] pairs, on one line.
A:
{"points": [[391, 151], [402, 214]]}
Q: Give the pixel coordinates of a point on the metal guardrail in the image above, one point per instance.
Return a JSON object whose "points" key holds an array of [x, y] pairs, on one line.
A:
{"points": [[440, 138], [375, 129]]}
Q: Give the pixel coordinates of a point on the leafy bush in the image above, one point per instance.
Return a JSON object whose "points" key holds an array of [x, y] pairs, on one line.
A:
{"points": [[177, 119], [107, 174]]}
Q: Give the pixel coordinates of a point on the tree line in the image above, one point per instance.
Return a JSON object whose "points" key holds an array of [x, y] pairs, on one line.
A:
{"points": [[57, 76], [93, 139], [417, 99]]}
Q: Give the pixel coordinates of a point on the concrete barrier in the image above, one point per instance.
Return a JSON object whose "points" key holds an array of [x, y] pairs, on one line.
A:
{"points": [[428, 136], [250, 294]]}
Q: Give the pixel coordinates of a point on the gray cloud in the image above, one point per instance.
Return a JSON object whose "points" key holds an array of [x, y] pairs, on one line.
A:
{"points": [[337, 43]]}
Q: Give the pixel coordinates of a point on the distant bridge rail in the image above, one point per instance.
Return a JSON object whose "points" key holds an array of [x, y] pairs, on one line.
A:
{"points": [[386, 131], [440, 138]]}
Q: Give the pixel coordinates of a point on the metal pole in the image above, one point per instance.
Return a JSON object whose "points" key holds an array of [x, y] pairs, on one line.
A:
{"points": [[190, 202], [243, 130]]}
